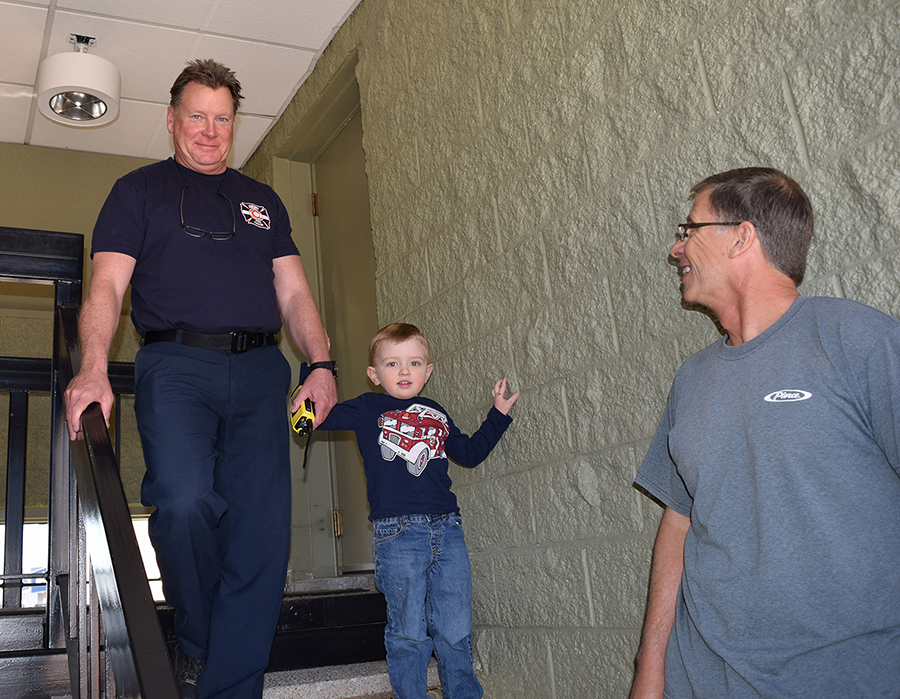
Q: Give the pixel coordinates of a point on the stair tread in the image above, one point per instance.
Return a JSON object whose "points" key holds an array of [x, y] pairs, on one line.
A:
{"points": [[356, 681]]}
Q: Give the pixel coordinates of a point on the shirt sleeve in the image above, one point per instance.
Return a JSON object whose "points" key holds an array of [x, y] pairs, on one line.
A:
{"points": [[471, 451], [282, 242], [882, 380], [343, 416], [120, 224], [658, 474]]}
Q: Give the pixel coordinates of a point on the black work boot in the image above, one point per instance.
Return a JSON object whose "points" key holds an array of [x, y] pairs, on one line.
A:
{"points": [[187, 674]]}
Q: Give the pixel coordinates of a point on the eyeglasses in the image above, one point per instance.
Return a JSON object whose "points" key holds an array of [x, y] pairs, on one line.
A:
{"points": [[684, 229], [199, 232]]}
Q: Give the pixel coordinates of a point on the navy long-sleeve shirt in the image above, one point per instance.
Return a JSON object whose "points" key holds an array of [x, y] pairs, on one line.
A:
{"points": [[405, 444]]}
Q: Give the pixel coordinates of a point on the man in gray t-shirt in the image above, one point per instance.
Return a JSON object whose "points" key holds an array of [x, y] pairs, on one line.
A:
{"points": [[776, 569]]}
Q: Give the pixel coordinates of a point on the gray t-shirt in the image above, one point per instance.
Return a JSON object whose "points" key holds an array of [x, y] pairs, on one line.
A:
{"points": [[785, 453]]}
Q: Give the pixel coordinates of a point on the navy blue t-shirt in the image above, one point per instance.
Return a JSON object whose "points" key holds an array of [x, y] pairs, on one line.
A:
{"points": [[405, 444], [197, 284]]}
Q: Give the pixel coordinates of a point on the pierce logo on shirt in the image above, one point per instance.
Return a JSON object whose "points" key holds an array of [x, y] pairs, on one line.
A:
{"points": [[255, 214], [788, 395]]}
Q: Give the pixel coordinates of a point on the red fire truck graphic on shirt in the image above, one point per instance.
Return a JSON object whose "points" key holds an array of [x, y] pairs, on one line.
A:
{"points": [[417, 434]]}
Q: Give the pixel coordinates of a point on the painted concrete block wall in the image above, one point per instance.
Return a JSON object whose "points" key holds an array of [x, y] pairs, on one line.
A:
{"points": [[528, 161]]}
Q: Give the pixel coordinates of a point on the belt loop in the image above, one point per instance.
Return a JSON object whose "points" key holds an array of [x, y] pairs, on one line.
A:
{"points": [[178, 333]]}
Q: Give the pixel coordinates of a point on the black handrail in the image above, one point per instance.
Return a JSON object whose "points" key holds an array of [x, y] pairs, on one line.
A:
{"points": [[134, 639], [127, 657]]}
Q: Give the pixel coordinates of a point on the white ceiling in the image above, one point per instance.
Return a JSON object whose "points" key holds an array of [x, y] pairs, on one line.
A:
{"points": [[272, 45]]}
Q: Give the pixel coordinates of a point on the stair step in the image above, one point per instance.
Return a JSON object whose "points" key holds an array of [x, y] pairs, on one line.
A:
{"points": [[334, 628], [333, 623], [362, 680]]}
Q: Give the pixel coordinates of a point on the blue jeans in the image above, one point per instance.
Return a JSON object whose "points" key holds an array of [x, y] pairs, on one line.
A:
{"points": [[422, 568]]}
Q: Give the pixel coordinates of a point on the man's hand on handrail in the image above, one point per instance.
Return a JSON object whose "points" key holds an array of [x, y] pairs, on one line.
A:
{"points": [[84, 389]]}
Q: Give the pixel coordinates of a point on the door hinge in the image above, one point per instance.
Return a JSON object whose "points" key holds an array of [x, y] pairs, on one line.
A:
{"points": [[315, 204], [337, 523]]}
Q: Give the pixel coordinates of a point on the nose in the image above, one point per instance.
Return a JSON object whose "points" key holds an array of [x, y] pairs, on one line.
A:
{"points": [[209, 128], [404, 369], [677, 249]]}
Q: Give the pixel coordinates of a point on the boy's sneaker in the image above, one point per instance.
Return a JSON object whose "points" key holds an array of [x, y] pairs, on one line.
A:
{"points": [[187, 674]]}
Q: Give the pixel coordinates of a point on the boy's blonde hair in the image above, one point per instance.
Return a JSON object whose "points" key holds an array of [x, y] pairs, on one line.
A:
{"points": [[396, 333]]}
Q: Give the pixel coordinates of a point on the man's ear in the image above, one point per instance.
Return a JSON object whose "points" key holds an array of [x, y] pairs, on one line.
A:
{"points": [[373, 375], [742, 239]]}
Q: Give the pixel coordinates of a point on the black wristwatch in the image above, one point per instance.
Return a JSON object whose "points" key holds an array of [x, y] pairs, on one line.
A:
{"points": [[331, 366]]}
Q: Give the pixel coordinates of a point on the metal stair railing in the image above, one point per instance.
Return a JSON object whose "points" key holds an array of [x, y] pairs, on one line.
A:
{"points": [[134, 643], [99, 606]]}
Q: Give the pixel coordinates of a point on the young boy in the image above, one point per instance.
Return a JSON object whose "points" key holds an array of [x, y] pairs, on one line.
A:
{"points": [[421, 562]]}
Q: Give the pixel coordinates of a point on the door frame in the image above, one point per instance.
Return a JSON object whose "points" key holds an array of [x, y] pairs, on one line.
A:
{"points": [[294, 181]]}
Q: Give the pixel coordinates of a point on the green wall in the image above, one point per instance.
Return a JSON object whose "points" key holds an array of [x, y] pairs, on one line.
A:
{"points": [[56, 190], [49, 189]]}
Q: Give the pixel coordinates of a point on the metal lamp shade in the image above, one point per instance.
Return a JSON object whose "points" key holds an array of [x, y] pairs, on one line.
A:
{"points": [[78, 89]]}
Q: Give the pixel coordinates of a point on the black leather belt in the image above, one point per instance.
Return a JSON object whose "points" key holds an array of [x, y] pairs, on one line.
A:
{"points": [[237, 341]]}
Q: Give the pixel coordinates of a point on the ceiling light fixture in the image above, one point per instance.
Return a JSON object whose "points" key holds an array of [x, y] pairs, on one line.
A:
{"points": [[78, 89]]}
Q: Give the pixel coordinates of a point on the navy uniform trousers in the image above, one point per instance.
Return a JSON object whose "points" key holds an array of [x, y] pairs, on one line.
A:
{"points": [[214, 431]]}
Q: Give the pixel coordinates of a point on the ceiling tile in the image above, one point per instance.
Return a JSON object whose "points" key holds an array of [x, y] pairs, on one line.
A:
{"points": [[22, 47], [249, 131], [304, 23], [189, 15], [149, 58], [15, 103], [266, 72], [130, 134], [161, 146]]}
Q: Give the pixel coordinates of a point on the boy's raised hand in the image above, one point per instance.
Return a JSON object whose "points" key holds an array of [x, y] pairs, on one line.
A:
{"points": [[502, 403]]}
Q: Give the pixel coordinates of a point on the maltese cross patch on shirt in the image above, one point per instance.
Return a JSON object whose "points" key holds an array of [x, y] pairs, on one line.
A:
{"points": [[255, 214]]}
